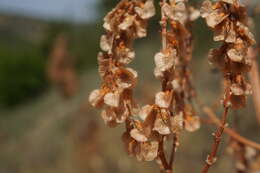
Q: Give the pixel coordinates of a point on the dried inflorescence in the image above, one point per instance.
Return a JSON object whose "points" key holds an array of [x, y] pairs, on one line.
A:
{"points": [[61, 68], [148, 127], [125, 23], [229, 20], [172, 110]]}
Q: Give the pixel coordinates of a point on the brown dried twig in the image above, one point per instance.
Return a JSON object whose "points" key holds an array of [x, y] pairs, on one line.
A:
{"points": [[211, 159], [229, 131]]}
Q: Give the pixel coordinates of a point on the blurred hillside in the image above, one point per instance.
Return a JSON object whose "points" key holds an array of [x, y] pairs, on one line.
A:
{"points": [[25, 45]]}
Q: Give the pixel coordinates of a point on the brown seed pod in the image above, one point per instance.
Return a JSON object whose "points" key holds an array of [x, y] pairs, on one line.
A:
{"points": [[125, 23], [147, 128], [228, 20]]}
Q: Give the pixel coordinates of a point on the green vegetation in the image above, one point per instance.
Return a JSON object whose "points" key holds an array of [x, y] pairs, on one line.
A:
{"points": [[21, 74]]}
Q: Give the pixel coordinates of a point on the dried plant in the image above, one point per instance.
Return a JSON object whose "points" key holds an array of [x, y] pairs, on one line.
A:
{"points": [[229, 21], [61, 68], [150, 126]]}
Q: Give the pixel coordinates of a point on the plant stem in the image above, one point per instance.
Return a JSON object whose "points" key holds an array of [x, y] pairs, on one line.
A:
{"points": [[217, 139], [174, 145], [208, 111], [161, 155]]}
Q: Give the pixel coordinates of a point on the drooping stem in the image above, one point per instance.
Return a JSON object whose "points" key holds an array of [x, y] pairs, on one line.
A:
{"points": [[162, 157], [174, 145], [211, 158], [163, 23], [209, 112]]}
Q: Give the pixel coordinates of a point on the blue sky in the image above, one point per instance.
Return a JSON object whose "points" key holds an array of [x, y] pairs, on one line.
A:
{"points": [[75, 10]]}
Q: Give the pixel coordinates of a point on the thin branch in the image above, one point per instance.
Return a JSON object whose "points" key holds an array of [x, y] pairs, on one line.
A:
{"points": [[162, 157], [229, 131], [174, 145], [255, 82], [163, 23], [217, 139]]}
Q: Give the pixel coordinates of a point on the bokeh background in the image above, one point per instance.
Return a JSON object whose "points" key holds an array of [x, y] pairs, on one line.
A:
{"points": [[48, 67]]}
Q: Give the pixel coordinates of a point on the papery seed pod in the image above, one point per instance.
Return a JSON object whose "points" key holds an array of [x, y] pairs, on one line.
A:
{"points": [[228, 19], [125, 23], [138, 136], [147, 128]]}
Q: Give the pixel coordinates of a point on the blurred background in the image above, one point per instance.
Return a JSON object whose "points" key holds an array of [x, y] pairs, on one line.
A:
{"points": [[48, 67]]}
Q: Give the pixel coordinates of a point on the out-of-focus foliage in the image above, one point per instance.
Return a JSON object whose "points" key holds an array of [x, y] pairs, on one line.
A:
{"points": [[25, 51], [21, 74]]}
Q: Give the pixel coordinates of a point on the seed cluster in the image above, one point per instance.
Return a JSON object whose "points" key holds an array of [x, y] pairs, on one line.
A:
{"points": [[125, 23], [228, 19], [171, 111], [148, 127]]}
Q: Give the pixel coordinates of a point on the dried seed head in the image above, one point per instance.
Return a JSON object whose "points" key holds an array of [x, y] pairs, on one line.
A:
{"points": [[163, 99], [177, 123], [229, 1], [126, 77], [231, 56], [96, 98], [235, 55], [137, 135], [106, 43], [236, 90], [112, 99], [165, 61], [149, 151], [145, 112], [128, 22], [206, 8], [161, 127], [147, 11], [108, 116]]}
